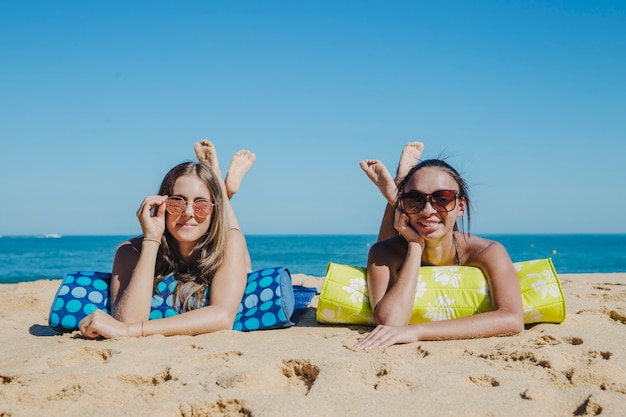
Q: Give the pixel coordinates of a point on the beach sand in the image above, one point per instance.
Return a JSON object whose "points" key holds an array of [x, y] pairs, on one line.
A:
{"points": [[576, 368]]}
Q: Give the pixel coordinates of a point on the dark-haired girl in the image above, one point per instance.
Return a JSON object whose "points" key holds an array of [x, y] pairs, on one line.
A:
{"points": [[426, 202]]}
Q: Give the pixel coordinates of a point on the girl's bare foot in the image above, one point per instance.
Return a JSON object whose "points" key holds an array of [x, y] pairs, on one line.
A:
{"points": [[205, 152], [377, 172], [239, 165], [410, 155]]}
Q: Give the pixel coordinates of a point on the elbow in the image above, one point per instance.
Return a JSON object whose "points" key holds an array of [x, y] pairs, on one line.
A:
{"points": [[519, 327], [381, 318], [378, 319], [224, 321], [124, 316], [514, 323]]}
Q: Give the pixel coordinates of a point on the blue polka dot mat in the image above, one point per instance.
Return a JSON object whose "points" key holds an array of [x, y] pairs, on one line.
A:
{"points": [[270, 300]]}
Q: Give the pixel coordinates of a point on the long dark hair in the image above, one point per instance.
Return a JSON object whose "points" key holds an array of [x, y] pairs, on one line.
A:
{"points": [[463, 188], [196, 277]]}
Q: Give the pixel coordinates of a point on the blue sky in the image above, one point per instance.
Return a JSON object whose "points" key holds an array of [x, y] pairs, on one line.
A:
{"points": [[526, 98]]}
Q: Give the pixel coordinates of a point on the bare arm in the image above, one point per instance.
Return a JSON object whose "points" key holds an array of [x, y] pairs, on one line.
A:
{"points": [[225, 296], [387, 230], [393, 273], [506, 318], [132, 280], [391, 293]]}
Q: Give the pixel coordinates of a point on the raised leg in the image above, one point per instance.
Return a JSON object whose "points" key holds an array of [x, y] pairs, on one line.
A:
{"points": [[380, 176]]}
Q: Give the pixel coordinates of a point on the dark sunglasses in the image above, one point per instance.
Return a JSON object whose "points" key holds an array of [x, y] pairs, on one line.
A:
{"points": [[413, 202], [177, 205]]}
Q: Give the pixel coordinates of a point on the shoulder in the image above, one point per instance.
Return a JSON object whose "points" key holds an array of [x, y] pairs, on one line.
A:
{"points": [[129, 250], [491, 257], [235, 233], [235, 236], [235, 244], [481, 252], [394, 247]]}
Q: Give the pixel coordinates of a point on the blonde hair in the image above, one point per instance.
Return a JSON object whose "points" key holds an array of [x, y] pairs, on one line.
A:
{"points": [[194, 279]]}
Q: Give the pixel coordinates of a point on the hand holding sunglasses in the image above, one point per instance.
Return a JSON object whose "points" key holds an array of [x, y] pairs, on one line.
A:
{"points": [[151, 215]]}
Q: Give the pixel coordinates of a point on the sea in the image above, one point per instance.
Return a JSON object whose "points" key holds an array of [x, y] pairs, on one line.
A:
{"points": [[30, 258]]}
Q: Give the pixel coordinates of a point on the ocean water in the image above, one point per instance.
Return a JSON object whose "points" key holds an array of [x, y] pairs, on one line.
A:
{"points": [[29, 258]]}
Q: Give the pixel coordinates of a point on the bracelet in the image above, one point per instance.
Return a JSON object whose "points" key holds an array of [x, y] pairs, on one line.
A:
{"points": [[151, 240], [142, 329]]}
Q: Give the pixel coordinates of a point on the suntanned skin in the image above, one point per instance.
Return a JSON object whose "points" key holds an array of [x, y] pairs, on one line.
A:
{"points": [[406, 242], [134, 265]]}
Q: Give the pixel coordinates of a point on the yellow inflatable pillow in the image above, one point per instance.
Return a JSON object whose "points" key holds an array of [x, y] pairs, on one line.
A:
{"points": [[443, 293]]}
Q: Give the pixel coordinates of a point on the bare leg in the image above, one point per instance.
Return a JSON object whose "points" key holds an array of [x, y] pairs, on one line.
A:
{"points": [[205, 151], [239, 166], [388, 186], [377, 172], [408, 159]]}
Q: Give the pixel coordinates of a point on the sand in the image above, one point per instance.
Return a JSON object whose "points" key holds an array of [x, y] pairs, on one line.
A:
{"points": [[576, 368]]}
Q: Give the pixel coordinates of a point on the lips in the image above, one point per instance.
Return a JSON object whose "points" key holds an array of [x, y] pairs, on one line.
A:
{"points": [[186, 225], [429, 225], [430, 222]]}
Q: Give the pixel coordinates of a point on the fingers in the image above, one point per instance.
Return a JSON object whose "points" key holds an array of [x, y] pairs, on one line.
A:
{"points": [[86, 326], [381, 336], [149, 203], [403, 226], [151, 215], [100, 324], [385, 336], [400, 220]]}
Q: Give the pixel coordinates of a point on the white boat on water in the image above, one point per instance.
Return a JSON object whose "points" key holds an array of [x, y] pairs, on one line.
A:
{"points": [[50, 236]]}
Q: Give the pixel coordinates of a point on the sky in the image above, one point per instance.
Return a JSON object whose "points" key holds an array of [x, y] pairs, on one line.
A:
{"points": [[527, 99]]}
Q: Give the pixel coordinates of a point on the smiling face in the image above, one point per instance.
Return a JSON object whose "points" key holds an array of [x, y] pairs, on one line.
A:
{"points": [[188, 228], [430, 223]]}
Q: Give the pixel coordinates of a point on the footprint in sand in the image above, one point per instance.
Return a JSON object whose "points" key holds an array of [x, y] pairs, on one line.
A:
{"points": [[223, 358], [514, 356], [209, 362], [148, 380], [421, 353], [614, 387], [382, 378], [83, 356], [218, 364], [484, 381], [71, 392], [302, 372], [595, 354], [232, 379], [587, 372], [574, 341], [8, 379], [219, 408], [588, 408], [547, 340], [617, 316]]}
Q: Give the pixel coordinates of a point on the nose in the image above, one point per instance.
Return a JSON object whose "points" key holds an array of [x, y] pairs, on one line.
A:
{"points": [[188, 209], [428, 207]]}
